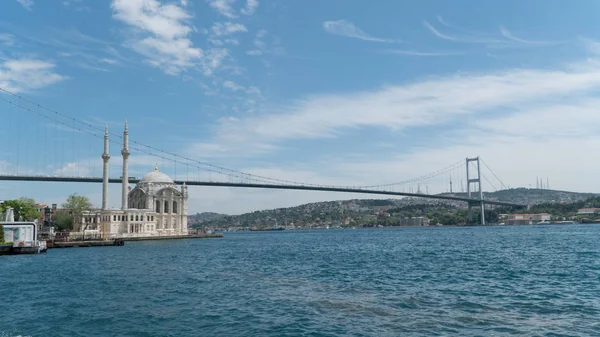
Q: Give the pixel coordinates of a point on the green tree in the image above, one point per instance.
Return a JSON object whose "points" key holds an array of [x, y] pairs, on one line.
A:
{"points": [[23, 208], [64, 222], [1, 233], [77, 205]]}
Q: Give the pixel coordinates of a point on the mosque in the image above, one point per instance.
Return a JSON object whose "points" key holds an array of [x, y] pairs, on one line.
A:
{"points": [[154, 207]]}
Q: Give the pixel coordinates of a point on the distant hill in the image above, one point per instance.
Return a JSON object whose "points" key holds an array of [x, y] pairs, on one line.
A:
{"points": [[199, 218], [333, 213], [330, 213], [534, 196]]}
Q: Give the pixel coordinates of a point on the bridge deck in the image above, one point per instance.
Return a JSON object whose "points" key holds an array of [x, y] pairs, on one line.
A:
{"points": [[267, 186]]}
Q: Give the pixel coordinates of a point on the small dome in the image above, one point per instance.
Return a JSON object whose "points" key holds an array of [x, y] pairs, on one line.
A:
{"points": [[156, 177]]}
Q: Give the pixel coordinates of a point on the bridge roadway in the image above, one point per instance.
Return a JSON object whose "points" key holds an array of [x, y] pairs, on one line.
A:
{"points": [[268, 186]]}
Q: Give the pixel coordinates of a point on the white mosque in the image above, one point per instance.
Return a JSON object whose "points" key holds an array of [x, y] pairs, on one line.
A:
{"points": [[155, 207]]}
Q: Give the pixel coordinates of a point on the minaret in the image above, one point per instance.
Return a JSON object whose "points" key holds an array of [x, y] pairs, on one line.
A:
{"points": [[105, 158], [125, 178]]}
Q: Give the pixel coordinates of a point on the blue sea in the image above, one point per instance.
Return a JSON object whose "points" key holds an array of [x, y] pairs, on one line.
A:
{"points": [[462, 281]]}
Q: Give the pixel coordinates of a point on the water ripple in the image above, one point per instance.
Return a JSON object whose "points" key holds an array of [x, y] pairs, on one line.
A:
{"points": [[495, 281]]}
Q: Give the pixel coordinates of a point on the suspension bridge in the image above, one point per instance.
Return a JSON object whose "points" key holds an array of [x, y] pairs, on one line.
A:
{"points": [[52, 148]]}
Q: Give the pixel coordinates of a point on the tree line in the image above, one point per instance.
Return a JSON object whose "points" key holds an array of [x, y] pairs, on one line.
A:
{"points": [[67, 219]]}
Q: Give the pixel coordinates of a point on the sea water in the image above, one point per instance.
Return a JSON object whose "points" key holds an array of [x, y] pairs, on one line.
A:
{"points": [[463, 281]]}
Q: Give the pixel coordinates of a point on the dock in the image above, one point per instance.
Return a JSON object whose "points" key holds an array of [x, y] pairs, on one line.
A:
{"points": [[76, 244], [10, 250], [175, 237], [121, 241]]}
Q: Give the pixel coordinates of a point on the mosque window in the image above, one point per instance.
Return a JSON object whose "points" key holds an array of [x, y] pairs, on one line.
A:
{"points": [[174, 206], [157, 206], [166, 210]]}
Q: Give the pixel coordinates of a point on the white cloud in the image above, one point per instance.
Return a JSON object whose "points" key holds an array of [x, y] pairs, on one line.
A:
{"points": [[223, 7], [348, 29], [213, 60], [236, 87], [27, 4], [161, 33], [429, 102], [251, 6], [227, 28], [24, 75], [254, 52]]}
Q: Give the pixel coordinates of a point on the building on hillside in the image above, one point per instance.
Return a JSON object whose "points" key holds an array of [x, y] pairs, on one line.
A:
{"points": [[414, 221], [527, 219], [156, 206], [587, 211]]}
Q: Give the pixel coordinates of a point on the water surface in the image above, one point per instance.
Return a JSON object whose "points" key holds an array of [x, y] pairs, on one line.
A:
{"points": [[473, 281]]}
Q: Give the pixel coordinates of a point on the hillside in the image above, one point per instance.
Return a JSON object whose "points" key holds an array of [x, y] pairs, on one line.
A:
{"points": [[367, 212], [534, 196], [199, 218]]}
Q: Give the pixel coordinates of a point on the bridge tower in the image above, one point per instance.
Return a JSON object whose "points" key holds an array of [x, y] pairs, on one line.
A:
{"points": [[476, 181]]}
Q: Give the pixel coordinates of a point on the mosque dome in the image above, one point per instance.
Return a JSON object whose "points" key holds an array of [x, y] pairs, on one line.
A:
{"points": [[156, 177]]}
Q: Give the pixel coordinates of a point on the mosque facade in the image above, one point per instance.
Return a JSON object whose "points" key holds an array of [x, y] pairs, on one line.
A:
{"points": [[156, 206]]}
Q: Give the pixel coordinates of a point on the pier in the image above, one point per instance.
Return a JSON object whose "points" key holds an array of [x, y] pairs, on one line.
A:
{"points": [[121, 241], [77, 244]]}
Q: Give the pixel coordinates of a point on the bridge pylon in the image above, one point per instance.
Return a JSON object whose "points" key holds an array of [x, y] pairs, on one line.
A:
{"points": [[477, 182]]}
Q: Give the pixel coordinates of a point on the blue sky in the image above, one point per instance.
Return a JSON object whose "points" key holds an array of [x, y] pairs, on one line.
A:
{"points": [[335, 92]]}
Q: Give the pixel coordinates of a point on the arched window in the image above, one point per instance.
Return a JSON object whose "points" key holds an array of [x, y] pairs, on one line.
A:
{"points": [[137, 217], [174, 206], [157, 206], [166, 210]]}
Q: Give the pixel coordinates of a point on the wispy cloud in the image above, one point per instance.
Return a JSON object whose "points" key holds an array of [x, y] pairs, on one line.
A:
{"points": [[27, 4], [223, 7], [236, 87], [227, 28], [251, 6], [265, 43], [77, 5], [506, 38], [507, 34], [73, 47], [213, 59], [160, 33], [7, 39], [416, 53], [348, 29], [27, 74], [436, 101], [221, 33]]}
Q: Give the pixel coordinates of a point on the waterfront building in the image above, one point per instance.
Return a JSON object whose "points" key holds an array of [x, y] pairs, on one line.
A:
{"points": [[156, 206], [527, 219], [587, 211]]}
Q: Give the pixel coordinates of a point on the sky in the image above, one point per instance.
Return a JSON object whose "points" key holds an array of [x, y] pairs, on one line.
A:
{"points": [[330, 92]]}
